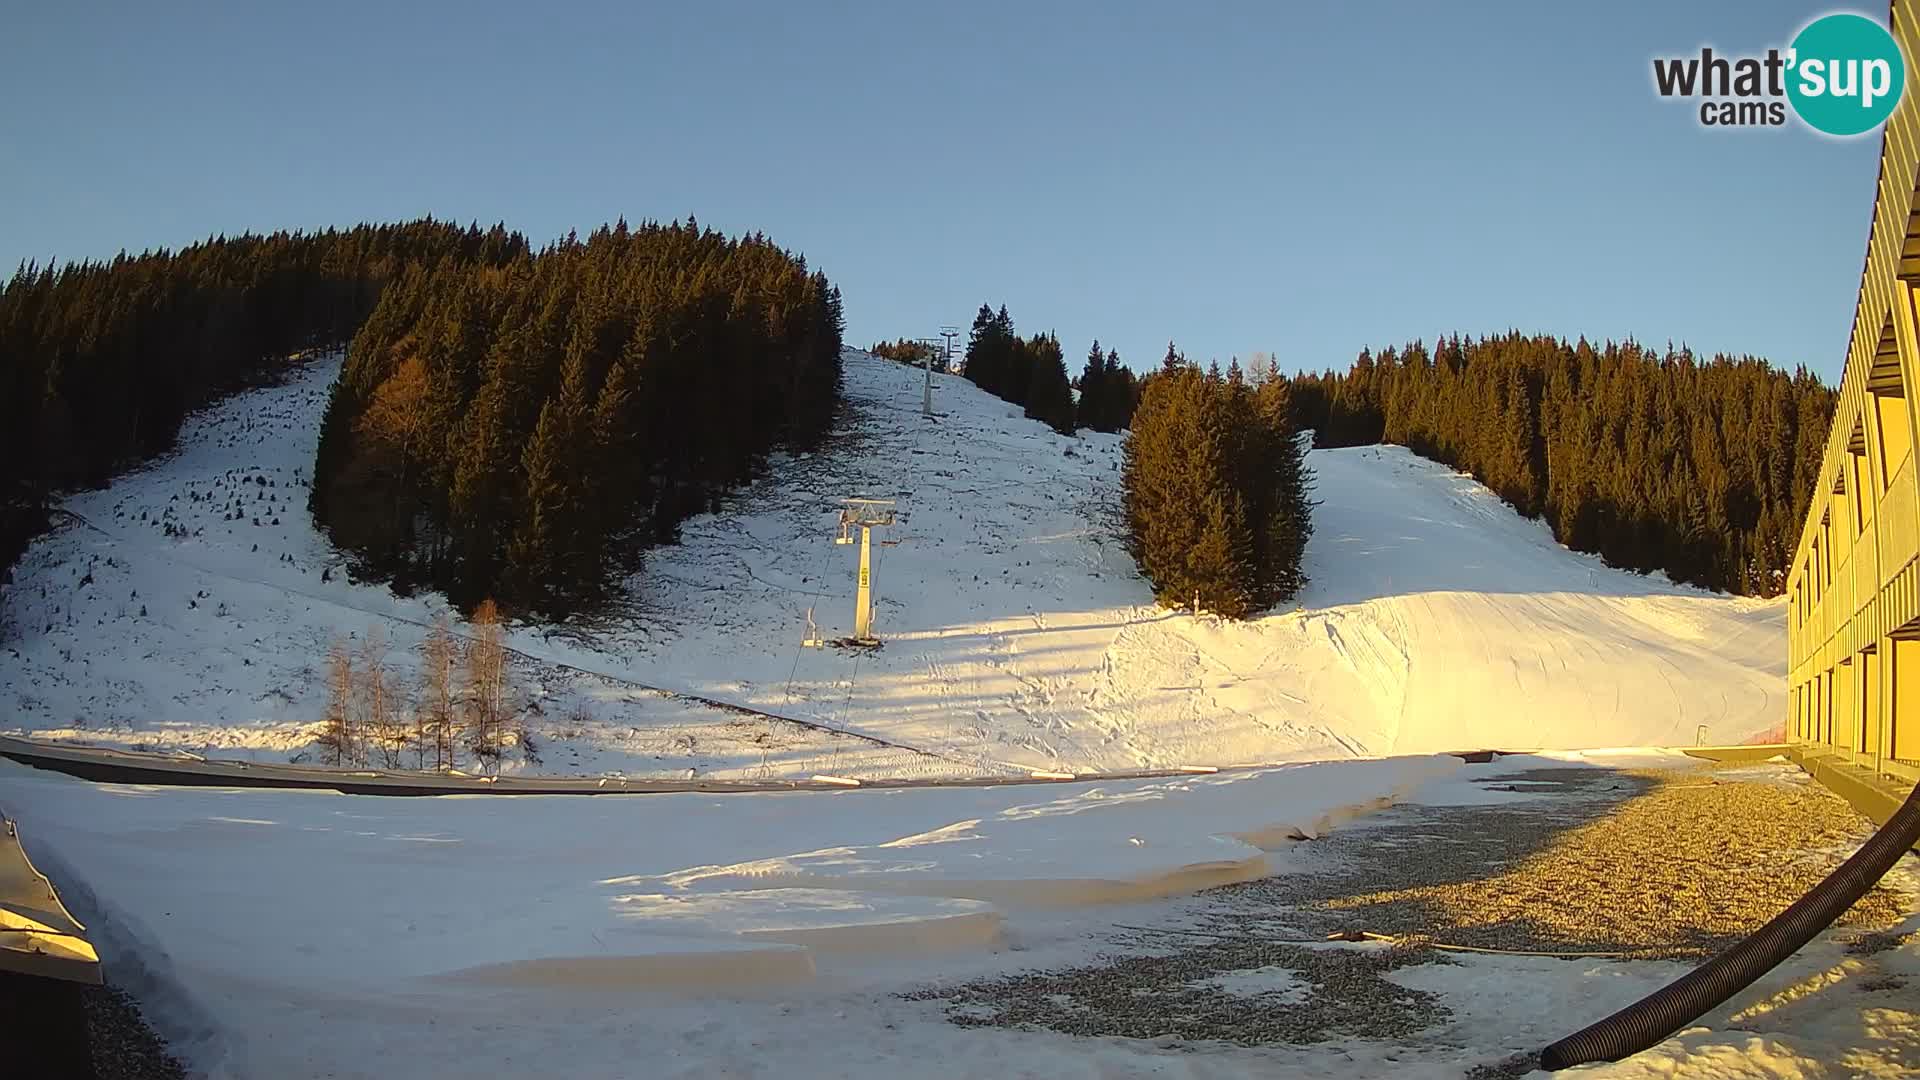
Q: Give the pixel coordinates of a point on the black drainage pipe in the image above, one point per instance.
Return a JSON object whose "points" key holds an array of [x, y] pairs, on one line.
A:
{"points": [[1667, 1010]]}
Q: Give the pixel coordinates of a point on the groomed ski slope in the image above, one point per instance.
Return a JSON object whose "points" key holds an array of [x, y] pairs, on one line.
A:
{"points": [[1019, 635]]}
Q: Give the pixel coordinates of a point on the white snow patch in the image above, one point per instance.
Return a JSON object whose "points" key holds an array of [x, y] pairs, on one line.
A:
{"points": [[1277, 986]]}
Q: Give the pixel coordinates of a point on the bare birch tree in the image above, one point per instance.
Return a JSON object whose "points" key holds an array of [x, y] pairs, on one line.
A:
{"points": [[337, 738], [486, 677], [384, 730], [434, 717]]}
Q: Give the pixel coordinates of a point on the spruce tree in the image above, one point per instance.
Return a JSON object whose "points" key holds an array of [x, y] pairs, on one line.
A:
{"points": [[1123, 393], [1020, 354], [1093, 409], [536, 571], [985, 364], [1049, 396], [1287, 502], [1214, 493], [1219, 569]]}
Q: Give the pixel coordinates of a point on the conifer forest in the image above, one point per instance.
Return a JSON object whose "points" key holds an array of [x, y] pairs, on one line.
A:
{"points": [[1654, 459], [525, 431], [100, 361], [523, 424]]}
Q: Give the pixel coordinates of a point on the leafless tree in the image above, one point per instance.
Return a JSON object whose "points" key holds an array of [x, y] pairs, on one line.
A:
{"points": [[337, 740], [486, 687], [434, 716], [383, 725], [1261, 369]]}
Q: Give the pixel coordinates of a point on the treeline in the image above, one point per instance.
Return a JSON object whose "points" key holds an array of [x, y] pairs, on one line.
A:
{"points": [[916, 353], [1215, 489], [524, 431], [1655, 460], [100, 361], [1031, 372]]}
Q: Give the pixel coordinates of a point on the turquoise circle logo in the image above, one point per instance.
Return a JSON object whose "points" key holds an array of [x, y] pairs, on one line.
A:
{"points": [[1846, 74]]}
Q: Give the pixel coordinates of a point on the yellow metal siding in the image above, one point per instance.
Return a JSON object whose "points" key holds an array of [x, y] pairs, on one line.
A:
{"points": [[1904, 742], [1853, 645]]}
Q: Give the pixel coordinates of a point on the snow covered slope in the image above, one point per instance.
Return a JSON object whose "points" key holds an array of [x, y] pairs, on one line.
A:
{"points": [[1018, 634]]}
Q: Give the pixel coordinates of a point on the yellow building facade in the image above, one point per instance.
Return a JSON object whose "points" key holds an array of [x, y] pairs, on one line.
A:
{"points": [[1853, 642]]}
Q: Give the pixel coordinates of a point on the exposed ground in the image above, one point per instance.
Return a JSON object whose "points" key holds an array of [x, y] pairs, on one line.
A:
{"points": [[124, 1047], [1687, 863], [109, 1030], [1670, 864]]}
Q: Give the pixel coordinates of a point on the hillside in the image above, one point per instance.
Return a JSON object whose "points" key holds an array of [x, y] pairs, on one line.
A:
{"points": [[1018, 635]]}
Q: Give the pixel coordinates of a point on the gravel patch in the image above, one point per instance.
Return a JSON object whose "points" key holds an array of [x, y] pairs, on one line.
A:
{"points": [[57, 1029], [1672, 864], [124, 1047], [1668, 864], [1180, 996], [1875, 942]]}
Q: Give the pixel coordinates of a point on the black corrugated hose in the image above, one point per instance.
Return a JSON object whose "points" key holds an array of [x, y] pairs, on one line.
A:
{"points": [[1660, 1014]]}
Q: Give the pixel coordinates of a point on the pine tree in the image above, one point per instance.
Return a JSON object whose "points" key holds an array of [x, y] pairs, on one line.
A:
{"points": [[1218, 565], [1018, 359], [982, 363], [1286, 501], [1094, 409], [1049, 395], [1123, 393], [553, 561], [1214, 495]]}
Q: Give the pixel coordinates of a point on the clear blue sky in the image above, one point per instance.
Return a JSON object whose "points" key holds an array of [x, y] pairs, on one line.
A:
{"points": [[1234, 176]]}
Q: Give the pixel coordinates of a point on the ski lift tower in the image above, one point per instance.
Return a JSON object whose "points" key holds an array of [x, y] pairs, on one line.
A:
{"points": [[949, 333], [866, 515], [946, 363], [926, 359]]}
